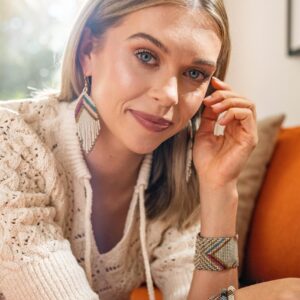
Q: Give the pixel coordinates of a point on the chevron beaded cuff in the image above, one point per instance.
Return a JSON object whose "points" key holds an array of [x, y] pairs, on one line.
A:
{"points": [[226, 294], [216, 253]]}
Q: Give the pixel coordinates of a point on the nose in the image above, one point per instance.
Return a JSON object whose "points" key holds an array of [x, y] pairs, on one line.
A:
{"points": [[167, 93]]}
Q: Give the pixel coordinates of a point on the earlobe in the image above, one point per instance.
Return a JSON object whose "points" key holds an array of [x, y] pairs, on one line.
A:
{"points": [[85, 49]]}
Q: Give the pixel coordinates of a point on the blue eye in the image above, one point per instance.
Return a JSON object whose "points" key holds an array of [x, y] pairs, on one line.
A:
{"points": [[145, 56], [197, 75]]}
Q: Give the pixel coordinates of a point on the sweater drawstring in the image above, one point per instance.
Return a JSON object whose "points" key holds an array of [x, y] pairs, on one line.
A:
{"points": [[142, 184], [88, 231], [149, 281], [140, 188]]}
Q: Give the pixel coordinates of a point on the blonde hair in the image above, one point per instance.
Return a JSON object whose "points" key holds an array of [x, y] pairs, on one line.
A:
{"points": [[168, 196]]}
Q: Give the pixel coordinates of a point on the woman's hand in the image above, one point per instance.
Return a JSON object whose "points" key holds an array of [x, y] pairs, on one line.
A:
{"points": [[220, 159], [280, 289]]}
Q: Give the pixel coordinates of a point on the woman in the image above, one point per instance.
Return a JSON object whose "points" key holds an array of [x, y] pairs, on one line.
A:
{"points": [[98, 189]]}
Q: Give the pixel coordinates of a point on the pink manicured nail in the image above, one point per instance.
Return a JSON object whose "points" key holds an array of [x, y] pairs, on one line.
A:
{"points": [[208, 98], [217, 79], [217, 105]]}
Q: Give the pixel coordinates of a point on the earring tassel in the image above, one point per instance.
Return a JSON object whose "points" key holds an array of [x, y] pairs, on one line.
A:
{"points": [[189, 154], [88, 124], [189, 158]]}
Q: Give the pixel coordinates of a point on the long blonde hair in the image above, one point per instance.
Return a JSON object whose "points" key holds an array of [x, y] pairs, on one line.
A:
{"points": [[168, 196]]}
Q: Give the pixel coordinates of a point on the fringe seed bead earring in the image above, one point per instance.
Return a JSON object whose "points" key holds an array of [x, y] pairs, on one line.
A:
{"points": [[189, 154], [87, 119]]}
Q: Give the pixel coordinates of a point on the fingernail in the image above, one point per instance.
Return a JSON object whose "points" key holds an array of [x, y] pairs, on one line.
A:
{"points": [[217, 79], [217, 105], [208, 98]]}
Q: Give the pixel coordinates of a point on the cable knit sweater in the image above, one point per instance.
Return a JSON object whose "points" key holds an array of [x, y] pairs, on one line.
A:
{"points": [[47, 245]]}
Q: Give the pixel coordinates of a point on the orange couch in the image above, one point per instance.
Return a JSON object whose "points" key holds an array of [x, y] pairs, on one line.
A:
{"points": [[273, 246]]}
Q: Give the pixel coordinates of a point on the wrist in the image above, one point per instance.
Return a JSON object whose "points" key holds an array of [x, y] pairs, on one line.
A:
{"points": [[218, 197], [217, 186], [218, 210], [221, 226]]}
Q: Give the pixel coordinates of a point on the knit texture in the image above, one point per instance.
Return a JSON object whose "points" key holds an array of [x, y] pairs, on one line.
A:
{"points": [[44, 219]]}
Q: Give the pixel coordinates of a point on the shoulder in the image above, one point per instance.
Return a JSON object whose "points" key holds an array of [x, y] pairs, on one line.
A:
{"points": [[40, 116], [20, 120], [31, 109], [26, 141], [27, 162]]}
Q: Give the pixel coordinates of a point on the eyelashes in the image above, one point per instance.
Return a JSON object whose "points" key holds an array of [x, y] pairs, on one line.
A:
{"points": [[140, 52], [145, 53]]}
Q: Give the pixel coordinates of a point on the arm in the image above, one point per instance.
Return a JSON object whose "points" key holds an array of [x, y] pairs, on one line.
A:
{"points": [[216, 221], [218, 161], [36, 262], [172, 267]]}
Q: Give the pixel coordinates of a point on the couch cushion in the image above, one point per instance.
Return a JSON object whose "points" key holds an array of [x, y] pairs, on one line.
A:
{"points": [[273, 249], [141, 293], [251, 177]]}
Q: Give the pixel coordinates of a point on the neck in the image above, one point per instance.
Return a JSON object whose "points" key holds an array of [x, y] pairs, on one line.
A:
{"points": [[112, 164]]}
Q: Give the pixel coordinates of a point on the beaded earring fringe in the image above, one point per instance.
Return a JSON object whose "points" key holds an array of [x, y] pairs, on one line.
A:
{"points": [[189, 154], [88, 124]]}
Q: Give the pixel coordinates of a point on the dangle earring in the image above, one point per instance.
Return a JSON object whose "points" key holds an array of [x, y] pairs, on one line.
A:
{"points": [[189, 154], [87, 119]]}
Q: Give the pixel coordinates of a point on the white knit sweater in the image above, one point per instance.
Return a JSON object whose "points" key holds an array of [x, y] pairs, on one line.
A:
{"points": [[47, 245]]}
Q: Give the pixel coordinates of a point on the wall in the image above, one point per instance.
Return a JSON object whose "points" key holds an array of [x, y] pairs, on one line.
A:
{"points": [[260, 68]]}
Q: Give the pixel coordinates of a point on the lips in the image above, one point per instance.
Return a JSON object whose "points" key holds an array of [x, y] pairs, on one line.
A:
{"points": [[151, 122]]}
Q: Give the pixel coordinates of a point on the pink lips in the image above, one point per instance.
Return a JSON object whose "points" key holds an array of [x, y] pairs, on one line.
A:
{"points": [[151, 122]]}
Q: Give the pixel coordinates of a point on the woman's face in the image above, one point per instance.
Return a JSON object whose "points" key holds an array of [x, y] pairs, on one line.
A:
{"points": [[158, 62]]}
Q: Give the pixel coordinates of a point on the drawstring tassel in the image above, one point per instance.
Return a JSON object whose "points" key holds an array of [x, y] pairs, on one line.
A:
{"points": [[150, 286]]}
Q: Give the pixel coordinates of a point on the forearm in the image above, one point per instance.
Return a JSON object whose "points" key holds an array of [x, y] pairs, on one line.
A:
{"points": [[218, 219]]}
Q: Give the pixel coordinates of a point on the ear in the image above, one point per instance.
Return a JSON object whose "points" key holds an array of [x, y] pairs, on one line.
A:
{"points": [[85, 49]]}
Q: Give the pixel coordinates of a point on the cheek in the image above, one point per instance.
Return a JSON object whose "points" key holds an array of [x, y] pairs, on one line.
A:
{"points": [[192, 103], [126, 73], [117, 80], [125, 77]]}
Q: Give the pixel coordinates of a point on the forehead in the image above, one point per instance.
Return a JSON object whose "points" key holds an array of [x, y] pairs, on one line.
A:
{"points": [[176, 26]]}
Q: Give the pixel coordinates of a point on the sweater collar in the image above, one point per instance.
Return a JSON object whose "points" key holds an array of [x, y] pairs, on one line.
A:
{"points": [[73, 156]]}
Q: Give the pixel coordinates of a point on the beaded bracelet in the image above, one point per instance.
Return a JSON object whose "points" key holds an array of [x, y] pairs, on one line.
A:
{"points": [[231, 289], [216, 253], [226, 294]]}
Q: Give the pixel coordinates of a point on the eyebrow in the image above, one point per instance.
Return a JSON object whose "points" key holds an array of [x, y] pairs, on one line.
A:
{"points": [[161, 46]]}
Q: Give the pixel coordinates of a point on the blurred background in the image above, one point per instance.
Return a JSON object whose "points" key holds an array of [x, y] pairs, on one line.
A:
{"points": [[33, 34], [32, 37], [260, 67]]}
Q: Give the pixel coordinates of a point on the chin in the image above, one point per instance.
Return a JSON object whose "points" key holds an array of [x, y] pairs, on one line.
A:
{"points": [[144, 147]]}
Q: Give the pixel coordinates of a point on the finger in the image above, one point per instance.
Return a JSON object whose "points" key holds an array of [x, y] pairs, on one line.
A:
{"points": [[243, 115], [233, 102], [208, 121], [246, 120], [219, 84], [220, 95], [207, 126], [209, 114]]}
